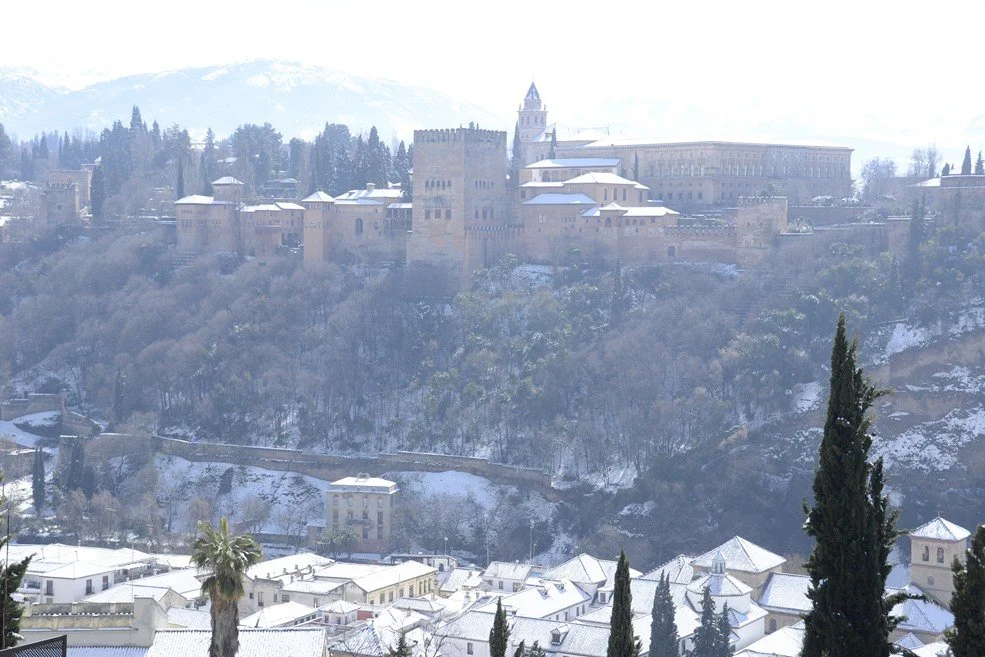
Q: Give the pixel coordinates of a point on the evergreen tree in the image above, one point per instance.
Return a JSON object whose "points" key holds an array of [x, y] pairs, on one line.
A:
{"points": [[706, 641], [851, 524], [534, 651], [499, 635], [11, 575], [6, 150], [636, 167], [43, 148], [946, 171], [516, 161], [552, 150], [915, 238], [622, 643], [966, 162], [724, 635], [618, 295], [179, 187], [520, 650], [98, 192], [209, 163], [401, 649], [967, 637], [37, 481], [979, 165], [663, 628], [136, 122]]}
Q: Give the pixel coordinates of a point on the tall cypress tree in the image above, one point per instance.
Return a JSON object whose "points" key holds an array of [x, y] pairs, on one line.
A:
{"points": [[851, 524], [516, 162], [179, 187], [979, 165], [37, 480], [967, 637], [966, 162], [663, 629], [499, 635], [11, 575], [621, 640], [706, 641], [724, 635], [552, 150]]}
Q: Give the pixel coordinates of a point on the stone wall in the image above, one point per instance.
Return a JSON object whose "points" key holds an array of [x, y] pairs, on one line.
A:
{"points": [[33, 403]]}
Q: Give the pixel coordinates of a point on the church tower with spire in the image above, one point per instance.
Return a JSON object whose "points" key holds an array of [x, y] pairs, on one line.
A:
{"points": [[532, 117]]}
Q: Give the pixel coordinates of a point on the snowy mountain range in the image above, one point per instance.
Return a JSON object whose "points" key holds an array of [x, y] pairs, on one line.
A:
{"points": [[298, 99]]}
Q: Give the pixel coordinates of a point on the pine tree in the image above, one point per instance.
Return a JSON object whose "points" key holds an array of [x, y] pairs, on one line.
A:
{"points": [[11, 575], [663, 628], [967, 637], [136, 122], [706, 635], [966, 162], [851, 524], [979, 165], [499, 635], [622, 643], [724, 635], [37, 481]]}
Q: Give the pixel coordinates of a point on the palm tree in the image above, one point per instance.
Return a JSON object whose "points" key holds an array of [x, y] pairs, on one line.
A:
{"points": [[227, 559]]}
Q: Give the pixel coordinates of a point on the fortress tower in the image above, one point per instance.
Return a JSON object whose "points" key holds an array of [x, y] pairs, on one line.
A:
{"points": [[758, 221], [532, 117], [459, 187]]}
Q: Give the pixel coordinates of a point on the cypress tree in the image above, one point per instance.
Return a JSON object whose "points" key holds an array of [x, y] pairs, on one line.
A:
{"points": [[520, 650], [636, 167], [179, 187], [851, 524], [37, 480], [534, 650], [499, 635], [979, 165], [663, 629], [552, 150], [516, 162], [401, 649], [724, 635], [98, 192], [11, 575], [966, 162], [706, 641], [946, 171], [967, 637], [621, 640]]}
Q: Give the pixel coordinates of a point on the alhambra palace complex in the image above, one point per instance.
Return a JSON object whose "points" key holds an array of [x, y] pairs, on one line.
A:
{"points": [[467, 212]]}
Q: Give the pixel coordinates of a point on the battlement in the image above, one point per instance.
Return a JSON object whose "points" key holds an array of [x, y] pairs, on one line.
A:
{"points": [[755, 201], [511, 229], [698, 231], [62, 186], [459, 135]]}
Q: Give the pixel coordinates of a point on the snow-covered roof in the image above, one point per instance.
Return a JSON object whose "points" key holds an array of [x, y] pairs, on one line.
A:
{"points": [[741, 555], [280, 615], [719, 585], [192, 619], [288, 206], [586, 569], [560, 199], [392, 575], [785, 642], [542, 599], [936, 649], [939, 529], [786, 593], [678, 570], [376, 193], [312, 586], [609, 143], [252, 643], [910, 641], [541, 184], [195, 199], [318, 197], [508, 570], [600, 177], [106, 651], [226, 180], [460, 578], [922, 615], [289, 565], [368, 484], [567, 134], [576, 163], [340, 607], [182, 582]]}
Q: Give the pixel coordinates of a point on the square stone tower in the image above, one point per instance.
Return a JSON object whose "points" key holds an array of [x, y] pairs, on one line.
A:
{"points": [[459, 183]]}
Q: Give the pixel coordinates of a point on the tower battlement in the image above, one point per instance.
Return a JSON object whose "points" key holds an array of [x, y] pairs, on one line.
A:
{"points": [[459, 136], [759, 201]]}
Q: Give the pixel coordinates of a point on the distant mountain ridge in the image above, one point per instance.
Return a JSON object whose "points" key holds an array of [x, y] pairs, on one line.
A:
{"points": [[297, 99]]}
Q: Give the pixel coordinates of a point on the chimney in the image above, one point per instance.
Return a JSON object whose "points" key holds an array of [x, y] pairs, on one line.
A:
{"points": [[370, 187]]}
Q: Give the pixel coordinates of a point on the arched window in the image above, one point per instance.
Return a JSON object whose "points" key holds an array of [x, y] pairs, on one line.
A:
{"points": [[608, 222], [926, 553], [940, 555], [359, 226]]}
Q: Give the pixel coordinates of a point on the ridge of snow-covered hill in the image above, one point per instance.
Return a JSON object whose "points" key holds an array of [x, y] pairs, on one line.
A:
{"points": [[298, 99]]}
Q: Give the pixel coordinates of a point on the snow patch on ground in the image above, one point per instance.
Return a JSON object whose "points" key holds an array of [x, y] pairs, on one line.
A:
{"points": [[905, 337], [806, 397], [620, 476], [933, 446], [961, 379], [562, 549], [10, 432], [644, 509], [37, 420], [452, 484]]}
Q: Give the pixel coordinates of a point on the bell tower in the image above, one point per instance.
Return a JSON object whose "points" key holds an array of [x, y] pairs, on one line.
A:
{"points": [[532, 117]]}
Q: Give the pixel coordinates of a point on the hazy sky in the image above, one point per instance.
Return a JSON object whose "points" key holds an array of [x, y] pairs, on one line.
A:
{"points": [[861, 71]]}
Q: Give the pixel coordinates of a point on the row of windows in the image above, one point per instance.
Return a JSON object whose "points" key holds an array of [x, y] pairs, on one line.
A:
{"points": [[422, 588], [437, 214], [379, 530], [484, 184], [437, 184], [532, 120], [487, 212], [349, 498], [335, 515]]}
